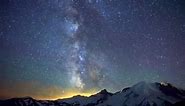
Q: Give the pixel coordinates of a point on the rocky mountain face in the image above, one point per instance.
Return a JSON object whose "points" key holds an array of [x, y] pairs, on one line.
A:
{"points": [[141, 94]]}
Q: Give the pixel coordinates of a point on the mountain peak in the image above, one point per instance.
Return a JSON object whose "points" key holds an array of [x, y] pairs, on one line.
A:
{"points": [[165, 83], [145, 85], [104, 91]]}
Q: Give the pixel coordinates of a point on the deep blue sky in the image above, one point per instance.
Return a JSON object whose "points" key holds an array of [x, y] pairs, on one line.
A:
{"points": [[52, 48]]}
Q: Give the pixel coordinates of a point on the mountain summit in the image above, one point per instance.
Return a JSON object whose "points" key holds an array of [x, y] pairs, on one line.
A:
{"points": [[140, 94], [147, 94]]}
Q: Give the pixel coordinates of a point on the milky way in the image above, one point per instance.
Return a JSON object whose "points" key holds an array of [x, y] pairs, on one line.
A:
{"points": [[81, 70], [59, 48]]}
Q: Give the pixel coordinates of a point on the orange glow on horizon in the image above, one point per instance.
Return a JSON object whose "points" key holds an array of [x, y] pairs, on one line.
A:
{"points": [[68, 94], [38, 91]]}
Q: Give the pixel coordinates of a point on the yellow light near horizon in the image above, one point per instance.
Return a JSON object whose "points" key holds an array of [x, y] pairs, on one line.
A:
{"points": [[72, 95], [67, 94], [38, 91]]}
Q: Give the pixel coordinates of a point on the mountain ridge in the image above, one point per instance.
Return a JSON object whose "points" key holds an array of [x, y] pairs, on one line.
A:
{"points": [[140, 94]]}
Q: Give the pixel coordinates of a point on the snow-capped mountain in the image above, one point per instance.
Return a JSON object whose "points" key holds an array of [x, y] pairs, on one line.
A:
{"points": [[146, 94], [141, 94]]}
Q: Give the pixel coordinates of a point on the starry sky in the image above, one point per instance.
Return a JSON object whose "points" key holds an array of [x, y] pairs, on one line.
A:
{"points": [[53, 49]]}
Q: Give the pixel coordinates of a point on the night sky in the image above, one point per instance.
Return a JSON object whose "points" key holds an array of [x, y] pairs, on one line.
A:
{"points": [[59, 48]]}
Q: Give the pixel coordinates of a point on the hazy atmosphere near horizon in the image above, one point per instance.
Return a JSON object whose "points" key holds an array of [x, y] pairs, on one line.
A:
{"points": [[52, 49]]}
